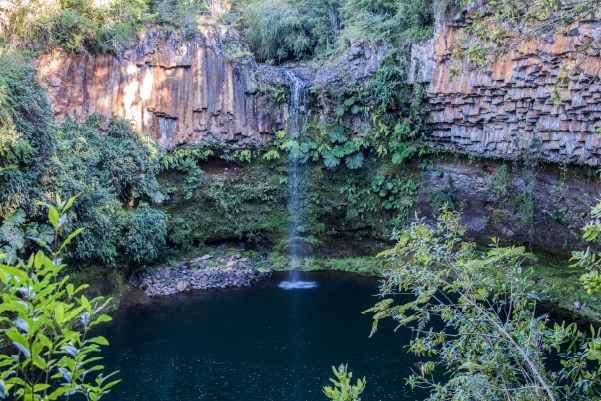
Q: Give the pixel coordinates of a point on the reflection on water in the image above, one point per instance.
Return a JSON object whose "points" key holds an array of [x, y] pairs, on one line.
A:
{"points": [[297, 285]]}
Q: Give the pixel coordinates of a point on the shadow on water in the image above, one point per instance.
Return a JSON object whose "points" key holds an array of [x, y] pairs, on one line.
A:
{"points": [[258, 344]]}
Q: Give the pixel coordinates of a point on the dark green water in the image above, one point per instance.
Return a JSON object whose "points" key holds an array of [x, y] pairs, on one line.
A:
{"points": [[261, 343]]}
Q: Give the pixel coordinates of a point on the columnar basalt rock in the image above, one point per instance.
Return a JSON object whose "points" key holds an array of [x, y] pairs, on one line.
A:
{"points": [[508, 107], [191, 92], [177, 91]]}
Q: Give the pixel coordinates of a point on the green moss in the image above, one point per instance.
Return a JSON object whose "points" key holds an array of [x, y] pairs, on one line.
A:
{"points": [[363, 265], [249, 202], [108, 283], [563, 285]]}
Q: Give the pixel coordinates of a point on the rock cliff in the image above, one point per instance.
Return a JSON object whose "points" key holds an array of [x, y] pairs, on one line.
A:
{"points": [[204, 89], [201, 90], [508, 107], [177, 91]]}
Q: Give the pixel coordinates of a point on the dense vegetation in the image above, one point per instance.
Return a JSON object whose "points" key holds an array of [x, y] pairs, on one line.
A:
{"points": [[131, 204], [280, 29], [277, 29], [112, 166], [494, 345], [48, 320]]}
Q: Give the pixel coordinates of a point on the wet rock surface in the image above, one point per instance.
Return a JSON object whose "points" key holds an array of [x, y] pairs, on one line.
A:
{"points": [[201, 273], [558, 211]]}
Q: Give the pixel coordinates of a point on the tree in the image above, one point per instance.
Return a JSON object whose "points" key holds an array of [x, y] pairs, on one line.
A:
{"points": [[116, 171], [48, 322], [492, 344], [276, 29]]}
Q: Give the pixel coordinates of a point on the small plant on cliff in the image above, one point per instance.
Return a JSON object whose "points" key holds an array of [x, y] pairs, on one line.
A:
{"points": [[493, 345], [52, 360], [499, 27], [501, 183], [442, 197]]}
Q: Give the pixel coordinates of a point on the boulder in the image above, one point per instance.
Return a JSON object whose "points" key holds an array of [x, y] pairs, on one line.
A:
{"points": [[182, 285], [201, 259]]}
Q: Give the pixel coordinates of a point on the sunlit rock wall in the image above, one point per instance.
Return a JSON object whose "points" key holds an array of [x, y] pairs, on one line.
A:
{"points": [[174, 90], [508, 107]]}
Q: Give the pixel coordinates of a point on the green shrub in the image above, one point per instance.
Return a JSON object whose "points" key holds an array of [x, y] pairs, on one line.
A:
{"points": [[343, 389], [441, 197], [501, 183], [49, 323], [488, 343], [276, 29], [116, 172], [75, 25], [27, 130], [179, 13]]}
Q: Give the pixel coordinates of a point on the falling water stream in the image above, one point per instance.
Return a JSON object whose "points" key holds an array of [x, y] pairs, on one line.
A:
{"points": [[297, 178]]}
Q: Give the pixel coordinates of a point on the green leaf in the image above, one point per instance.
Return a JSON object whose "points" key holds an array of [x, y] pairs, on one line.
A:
{"points": [[22, 349], [330, 160], [272, 155], [111, 384], [101, 319], [70, 238], [15, 219], [339, 111], [53, 216], [40, 387], [338, 151], [397, 158], [13, 271], [100, 340], [349, 102], [44, 233], [59, 314], [337, 134], [354, 161], [70, 202], [85, 303]]}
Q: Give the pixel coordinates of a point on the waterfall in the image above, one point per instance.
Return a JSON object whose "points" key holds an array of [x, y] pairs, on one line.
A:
{"points": [[298, 118], [297, 177]]}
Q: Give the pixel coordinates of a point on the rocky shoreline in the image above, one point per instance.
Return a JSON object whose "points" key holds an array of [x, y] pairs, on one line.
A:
{"points": [[201, 273]]}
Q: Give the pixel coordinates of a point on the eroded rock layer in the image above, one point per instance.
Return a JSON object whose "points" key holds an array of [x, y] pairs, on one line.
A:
{"points": [[174, 90], [509, 107]]}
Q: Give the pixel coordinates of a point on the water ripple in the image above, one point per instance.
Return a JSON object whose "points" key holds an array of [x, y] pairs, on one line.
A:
{"points": [[297, 285]]}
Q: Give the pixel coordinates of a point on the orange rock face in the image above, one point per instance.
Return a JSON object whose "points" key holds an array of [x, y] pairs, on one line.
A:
{"points": [[508, 108], [177, 91]]}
